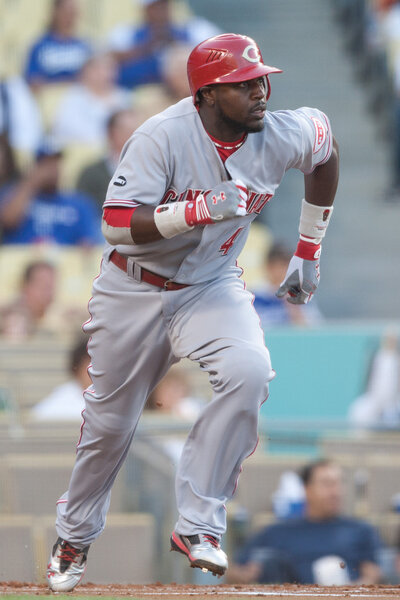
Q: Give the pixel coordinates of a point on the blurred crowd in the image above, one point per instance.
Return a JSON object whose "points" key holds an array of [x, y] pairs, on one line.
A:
{"points": [[372, 33], [66, 116], [67, 107]]}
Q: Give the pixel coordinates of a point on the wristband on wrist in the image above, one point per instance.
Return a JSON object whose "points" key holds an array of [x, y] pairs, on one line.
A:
{"points": [[180, 217], [313, 221], [307, 249], [170, 219]]}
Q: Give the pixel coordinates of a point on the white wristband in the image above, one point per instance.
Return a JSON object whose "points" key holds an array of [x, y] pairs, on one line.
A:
{"points": [[314, 220], [170, 219]]}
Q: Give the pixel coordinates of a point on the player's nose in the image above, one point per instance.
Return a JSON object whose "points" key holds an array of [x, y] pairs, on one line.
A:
{"points": [[257, 90]]}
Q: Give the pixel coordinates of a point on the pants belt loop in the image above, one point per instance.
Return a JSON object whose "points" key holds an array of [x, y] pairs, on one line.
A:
{"points": [[137, 272], [130, 267]]}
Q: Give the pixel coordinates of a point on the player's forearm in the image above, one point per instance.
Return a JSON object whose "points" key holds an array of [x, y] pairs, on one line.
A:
{"points": [[303, 275], [321, 184], [143, 227]]}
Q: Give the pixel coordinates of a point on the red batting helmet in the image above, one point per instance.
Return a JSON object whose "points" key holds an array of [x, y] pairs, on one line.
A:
{"points": [[226, 58]]}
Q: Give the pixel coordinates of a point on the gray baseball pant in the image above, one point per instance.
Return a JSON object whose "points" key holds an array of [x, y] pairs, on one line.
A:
{"points": [[137, 332]]}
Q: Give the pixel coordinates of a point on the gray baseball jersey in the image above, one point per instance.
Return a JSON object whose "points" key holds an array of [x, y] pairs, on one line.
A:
{"points": [[171, 158], [139, 330]]}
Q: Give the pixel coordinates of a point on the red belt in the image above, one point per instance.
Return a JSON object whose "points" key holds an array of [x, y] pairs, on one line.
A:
{"points": [[145, 275]]}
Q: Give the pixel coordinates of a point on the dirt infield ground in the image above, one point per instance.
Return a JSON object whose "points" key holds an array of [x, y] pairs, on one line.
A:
{"points": [[236, 592]]}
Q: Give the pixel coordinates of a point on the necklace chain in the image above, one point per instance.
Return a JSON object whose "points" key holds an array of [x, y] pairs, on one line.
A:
{"points": [[229, 147]]}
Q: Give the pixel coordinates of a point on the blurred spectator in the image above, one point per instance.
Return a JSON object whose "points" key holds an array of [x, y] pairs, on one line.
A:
{"points": [[174, 72], [9, 173], [20, 116], [94, 179], [379, 406], [277, 311], [390, 28], [66, 401], [322, 547], [172, 397], [83, 112], [150, 100], [58, 55], [36, 210], [140, 50], [25, 315]]}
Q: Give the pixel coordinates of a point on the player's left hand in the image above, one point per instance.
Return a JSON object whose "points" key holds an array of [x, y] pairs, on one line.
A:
{"points": [[302, 276]]}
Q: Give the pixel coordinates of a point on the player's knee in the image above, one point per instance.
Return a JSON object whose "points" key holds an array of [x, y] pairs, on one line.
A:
{"points": [[249, 368]]}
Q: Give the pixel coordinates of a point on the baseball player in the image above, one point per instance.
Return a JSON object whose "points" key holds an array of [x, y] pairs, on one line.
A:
{"points": [[177, 213]]}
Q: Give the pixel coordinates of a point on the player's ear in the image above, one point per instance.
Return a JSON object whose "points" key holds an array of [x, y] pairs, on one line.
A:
{"points": [[206, 95]]}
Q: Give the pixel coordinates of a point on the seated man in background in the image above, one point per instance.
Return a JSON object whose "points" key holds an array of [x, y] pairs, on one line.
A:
{"points": [[36, 210], [66, 402], [322, 547], [25, 315], [94, 179], [140, 50], [83, 112]]}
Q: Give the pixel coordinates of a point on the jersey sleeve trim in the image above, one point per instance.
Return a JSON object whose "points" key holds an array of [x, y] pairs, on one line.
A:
{"points": [[122, 203], [329, 150]]}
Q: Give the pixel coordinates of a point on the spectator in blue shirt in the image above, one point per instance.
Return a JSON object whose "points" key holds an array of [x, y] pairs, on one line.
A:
{"points": [[59, 54], [35, 210], [140, 50], [322, 547]]}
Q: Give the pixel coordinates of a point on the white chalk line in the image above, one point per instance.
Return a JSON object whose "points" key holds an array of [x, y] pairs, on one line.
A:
{"points": [[223, 592]]}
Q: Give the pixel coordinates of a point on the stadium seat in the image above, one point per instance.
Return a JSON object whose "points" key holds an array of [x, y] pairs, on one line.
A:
{"points": [[17, 548], [75, 158], [34, 482], [383, 481], [49, 98], [260, 479]]}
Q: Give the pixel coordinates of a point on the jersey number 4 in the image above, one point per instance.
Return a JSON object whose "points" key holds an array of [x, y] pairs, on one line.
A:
{"points": [[226, 246]]}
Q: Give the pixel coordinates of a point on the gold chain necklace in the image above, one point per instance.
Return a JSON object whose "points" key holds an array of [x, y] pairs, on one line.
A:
{"points": [[230, 147]]}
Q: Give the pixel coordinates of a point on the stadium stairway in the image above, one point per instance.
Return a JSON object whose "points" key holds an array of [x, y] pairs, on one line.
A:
{"points": [[304, 40]]}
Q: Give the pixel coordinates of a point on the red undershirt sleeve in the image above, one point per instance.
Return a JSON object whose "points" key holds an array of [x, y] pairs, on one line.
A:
{"points": [[116, 225]]}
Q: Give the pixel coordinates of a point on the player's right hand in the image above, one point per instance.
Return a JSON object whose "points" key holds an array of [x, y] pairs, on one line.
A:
{"points": [[225, 201]]}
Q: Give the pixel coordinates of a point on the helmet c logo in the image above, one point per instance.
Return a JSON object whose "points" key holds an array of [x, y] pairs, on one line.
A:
{"points": [[246, 54]]}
